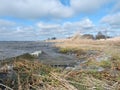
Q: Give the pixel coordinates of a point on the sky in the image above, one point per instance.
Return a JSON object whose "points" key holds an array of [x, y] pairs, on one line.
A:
{"points": [[32, 20]]}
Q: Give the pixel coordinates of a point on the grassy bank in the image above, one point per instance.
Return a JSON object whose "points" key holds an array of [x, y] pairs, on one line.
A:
{"points": [[98, 70]]}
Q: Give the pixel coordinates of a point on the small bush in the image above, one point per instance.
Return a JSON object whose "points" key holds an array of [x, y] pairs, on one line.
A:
{"points": [[65, 50], [25, 56], [105, 64]]}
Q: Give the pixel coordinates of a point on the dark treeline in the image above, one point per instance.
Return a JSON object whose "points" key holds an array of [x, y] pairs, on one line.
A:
{"points": [[99, 35]]}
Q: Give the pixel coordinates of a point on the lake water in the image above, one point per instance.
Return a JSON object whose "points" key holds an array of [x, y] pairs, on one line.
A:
{"points": [[10, 49]]}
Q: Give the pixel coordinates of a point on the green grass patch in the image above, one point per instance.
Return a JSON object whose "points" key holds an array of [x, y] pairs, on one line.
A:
{"points": [[105, 64]]}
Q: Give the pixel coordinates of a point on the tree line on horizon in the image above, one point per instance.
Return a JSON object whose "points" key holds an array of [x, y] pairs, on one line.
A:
{"points": [[98, 36]]}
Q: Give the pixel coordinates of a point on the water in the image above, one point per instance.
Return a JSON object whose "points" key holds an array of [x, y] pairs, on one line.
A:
{"points": [[10, 49]]}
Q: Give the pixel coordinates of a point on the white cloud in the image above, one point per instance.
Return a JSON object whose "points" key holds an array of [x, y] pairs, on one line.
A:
{"points": [[47, 26], [12, 31], [83, 24], [112, 20], [6, 23], [31, 9], [87, 5], [116, 7], [65, 29]]}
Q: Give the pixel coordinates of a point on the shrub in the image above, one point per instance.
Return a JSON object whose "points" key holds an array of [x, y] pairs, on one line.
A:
{"points": [[105, 64], [88, 36], [65, 50], [100, 36]]}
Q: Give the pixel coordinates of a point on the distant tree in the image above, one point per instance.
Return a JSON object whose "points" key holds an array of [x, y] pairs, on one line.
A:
{"points": [[53, 38], [100, 36]]}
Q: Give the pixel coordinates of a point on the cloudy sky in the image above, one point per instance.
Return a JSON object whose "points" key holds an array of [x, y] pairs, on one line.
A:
{"points": [[41, 19]]}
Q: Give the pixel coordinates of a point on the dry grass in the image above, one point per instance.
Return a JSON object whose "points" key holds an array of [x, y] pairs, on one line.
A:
{"points": [[93, 79], [87, 44], [32, 75]]}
